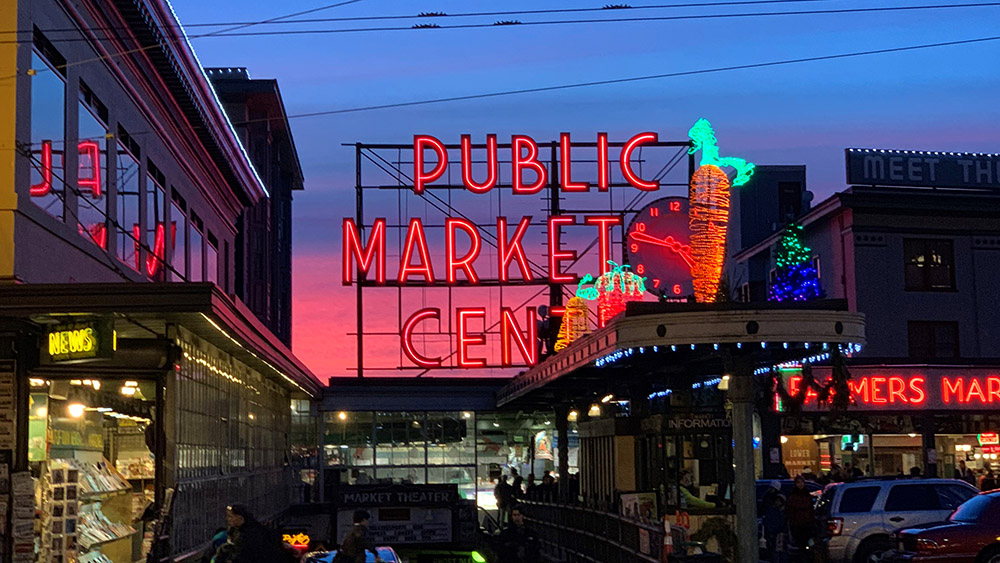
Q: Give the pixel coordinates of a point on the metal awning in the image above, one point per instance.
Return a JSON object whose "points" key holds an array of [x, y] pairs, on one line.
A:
{"points": [[669, 343], [144, 310]]}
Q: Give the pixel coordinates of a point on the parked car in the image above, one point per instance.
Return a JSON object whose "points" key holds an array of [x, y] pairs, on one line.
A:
{"points": [[385, 553], [970, 535], [860, 517]]}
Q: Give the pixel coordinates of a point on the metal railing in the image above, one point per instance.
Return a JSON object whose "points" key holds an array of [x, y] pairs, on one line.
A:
{"points": [[576, 533]]}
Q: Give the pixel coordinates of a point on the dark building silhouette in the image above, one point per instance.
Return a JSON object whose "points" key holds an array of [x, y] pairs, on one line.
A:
{"points": [[264, 238]]}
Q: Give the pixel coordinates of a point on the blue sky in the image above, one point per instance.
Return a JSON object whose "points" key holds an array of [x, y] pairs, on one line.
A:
{"points": [[938, 99]]}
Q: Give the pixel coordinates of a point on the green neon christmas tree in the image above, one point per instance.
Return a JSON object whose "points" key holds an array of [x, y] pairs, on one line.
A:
{"points": [[795, 279]]}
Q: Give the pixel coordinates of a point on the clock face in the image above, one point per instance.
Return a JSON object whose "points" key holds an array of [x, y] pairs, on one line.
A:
{"points": [[658, 247]]}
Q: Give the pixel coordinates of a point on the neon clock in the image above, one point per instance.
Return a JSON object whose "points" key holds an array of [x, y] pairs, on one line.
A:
{"points": [[659, 240]]}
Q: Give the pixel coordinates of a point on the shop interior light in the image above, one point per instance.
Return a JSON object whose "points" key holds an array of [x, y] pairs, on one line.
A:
{"points": [[131, 384], [607, 398], [724, 384], [572, 416], [595, 411], [342, 415], [496, 424], [129, 391], [97, 384], [467, 415], [912, 435], [76, 382], [977, 456], [34, 382], [784, 439], [548, 422], [76, 410], [251, 416], [43, 412]]}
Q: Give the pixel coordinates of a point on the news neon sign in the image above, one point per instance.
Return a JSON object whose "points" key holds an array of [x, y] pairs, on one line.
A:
{"points": [[906, 389]]}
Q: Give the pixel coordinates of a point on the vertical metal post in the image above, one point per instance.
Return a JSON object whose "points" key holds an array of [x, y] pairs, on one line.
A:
{"points": [[555, 290], [359, 220], [928, 428], [741, 395], [562, 435]]}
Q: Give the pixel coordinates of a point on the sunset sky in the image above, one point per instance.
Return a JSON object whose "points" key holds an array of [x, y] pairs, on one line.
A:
{"points": [[807, 113]]}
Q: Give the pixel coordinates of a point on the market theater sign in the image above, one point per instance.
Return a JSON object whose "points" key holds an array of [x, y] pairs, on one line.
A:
{"points": [[906, 389]]}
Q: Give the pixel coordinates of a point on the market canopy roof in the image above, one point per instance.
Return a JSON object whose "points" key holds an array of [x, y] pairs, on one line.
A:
{"points": [[144, 310], [680, 343]]}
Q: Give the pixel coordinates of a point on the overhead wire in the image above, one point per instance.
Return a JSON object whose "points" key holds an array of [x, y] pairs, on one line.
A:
{"points": [[442, 15], [637, 19]]}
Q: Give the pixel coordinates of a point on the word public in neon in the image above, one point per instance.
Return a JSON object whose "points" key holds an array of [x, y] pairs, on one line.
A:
{"points": [[529, 175]]}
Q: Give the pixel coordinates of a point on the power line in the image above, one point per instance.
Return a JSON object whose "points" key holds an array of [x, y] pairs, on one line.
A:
{"points": [[637, 19], [636, 78], [441, 15], [607, 20], [155, 45]]}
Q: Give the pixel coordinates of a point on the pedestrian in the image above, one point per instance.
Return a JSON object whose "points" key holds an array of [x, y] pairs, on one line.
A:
{"points": [[531, 489], [800, 514], [989, 481], [517, 485], [503, 494], [915, 472], [517, 542], [357, 541], [220, 538], [774, 521], [547, 490], [965, 474], [252, 541]]}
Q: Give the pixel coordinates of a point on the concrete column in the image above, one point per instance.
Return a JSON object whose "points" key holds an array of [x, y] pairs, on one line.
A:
{"points": [[928, 429], [744, 495]]}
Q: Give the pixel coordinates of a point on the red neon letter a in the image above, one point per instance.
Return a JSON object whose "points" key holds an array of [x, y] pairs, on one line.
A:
{"points": [[415, 238], [373, 253], [421, 177], [519, 162], [525, 344]]}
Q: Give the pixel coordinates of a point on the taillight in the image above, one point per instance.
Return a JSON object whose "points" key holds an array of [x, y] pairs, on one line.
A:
{"points": [[834, 526], [927, 545]]}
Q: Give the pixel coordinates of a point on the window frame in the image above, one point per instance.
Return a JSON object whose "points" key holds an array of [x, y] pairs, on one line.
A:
{"points": [[933, 347], [926, 285]]}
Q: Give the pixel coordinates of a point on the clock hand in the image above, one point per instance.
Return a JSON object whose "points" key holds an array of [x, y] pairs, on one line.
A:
{"points": [[682, 249]]}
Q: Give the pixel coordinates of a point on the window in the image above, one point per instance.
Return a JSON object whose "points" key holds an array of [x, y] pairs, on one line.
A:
{"points": [[156, 217], [933, 339], [745, 293], [212, 259], [127, 181], [178, 239], [972, 510], [858, 499], [951, 496], [197, 271], [903, 498], [48, 128], [789, 200], [929, 264], [92, 178]]}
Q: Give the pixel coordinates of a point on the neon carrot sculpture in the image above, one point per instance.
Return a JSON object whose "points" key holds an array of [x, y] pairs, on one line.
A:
{"points": [[709, 209]]}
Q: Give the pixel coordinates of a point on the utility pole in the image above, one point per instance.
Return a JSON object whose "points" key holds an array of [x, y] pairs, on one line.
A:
{"points": [[741, 394]]}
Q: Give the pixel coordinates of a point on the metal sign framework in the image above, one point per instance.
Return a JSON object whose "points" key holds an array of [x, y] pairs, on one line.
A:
{"points": [[384, 172]]}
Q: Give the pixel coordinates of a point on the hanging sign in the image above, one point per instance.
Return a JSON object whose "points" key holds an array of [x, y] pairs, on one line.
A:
{"points": [[85, 340], [887, 167]]}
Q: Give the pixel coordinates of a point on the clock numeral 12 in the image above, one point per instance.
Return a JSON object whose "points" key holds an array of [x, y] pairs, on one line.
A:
{"points": [[675, 206]]}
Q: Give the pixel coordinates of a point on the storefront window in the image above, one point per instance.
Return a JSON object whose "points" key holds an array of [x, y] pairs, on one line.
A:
{"points": [[92, 204], [212, 260], [48, 134], [89, 447], [363, 448], [197, 265], [127, 176], [178, 238], [156, 217]]}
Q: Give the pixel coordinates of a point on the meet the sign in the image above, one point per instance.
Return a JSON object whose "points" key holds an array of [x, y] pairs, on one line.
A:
{"points": [[911, 388], [885, 167], [85, 340]]}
